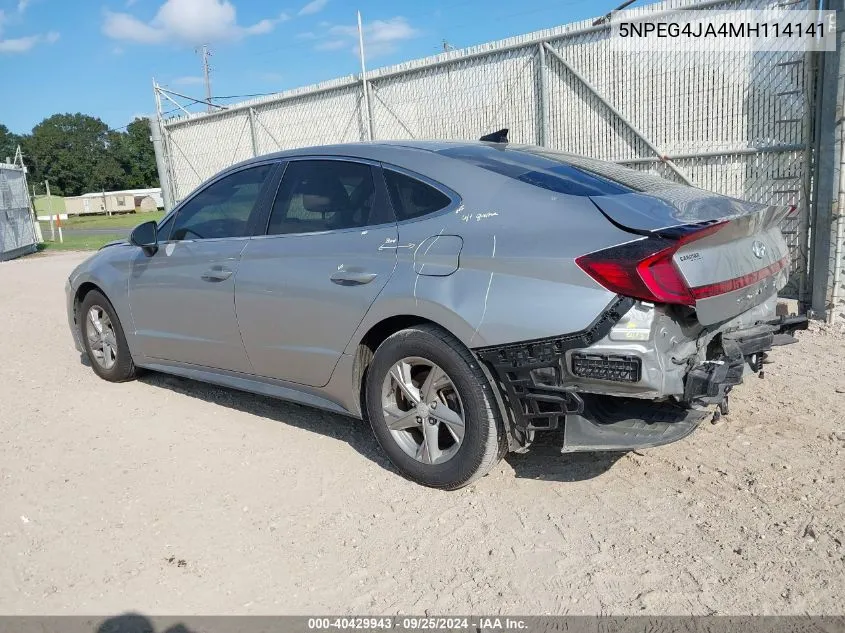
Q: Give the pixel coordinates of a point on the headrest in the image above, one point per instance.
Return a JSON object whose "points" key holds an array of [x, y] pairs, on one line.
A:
{"points": [[323, 196]]}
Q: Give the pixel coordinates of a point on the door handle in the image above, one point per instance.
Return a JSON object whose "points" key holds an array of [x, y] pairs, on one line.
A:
{"points": [[216, 273], [352, 277]]}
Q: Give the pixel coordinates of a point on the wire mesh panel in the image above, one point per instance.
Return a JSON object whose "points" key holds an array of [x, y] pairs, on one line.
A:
{"points": [[735, 122], [334, 116], [465, 98], [198, 151], [17, 232]]}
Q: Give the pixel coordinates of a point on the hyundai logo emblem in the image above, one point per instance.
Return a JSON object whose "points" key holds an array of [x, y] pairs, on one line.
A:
{"points": [[759, 249]]}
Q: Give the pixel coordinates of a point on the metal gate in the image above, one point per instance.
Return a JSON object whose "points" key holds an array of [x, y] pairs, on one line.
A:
{"points": [[735, 122]]}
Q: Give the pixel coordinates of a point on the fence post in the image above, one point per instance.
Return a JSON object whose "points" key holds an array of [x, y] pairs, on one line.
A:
{"points": [[57, 219], [252, 134], [364, 85], [827, 185], [543, 139], [161, 163], [36, 225]]}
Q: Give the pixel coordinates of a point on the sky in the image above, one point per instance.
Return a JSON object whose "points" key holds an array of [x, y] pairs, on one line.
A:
{"points": [[99, 57]]}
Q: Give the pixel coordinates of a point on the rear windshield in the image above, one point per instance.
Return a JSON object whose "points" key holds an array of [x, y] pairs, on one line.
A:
{"points": [[556, 171]]}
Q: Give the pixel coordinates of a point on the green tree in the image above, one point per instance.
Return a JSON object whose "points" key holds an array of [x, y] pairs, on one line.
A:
{"points": [[8, 143], [74, 152], [134, 152]]}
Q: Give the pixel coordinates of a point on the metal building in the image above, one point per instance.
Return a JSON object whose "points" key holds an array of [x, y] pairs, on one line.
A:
{"points": [[17, 225]]}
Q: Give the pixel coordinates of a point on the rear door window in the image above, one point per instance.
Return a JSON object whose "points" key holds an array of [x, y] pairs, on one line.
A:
{"points": [[326, 195], [413, 198]]}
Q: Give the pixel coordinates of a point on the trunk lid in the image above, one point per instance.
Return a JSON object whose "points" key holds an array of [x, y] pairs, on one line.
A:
{"points": [[739, 262]]}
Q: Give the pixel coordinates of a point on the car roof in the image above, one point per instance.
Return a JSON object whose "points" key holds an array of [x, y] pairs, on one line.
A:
{"points": [[388, 151]]}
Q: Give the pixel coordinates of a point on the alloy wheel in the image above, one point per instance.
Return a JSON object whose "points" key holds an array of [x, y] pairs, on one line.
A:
{"points": [[102, 340], [423, 410]]}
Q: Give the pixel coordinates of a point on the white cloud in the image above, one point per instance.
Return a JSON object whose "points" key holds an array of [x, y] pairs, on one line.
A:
{"points": [[187, 22], [187, 81], [18, 44], [315, 6], [380, 36], [22, 5], [266, 25], [122, 26], [24, 44]]}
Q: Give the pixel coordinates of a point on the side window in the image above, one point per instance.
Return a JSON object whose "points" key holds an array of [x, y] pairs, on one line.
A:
{"points": [[413, 198], [223, 208], [323, 195]]}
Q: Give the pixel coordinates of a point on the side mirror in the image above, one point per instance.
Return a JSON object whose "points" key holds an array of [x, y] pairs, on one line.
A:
{"points": [[146, 236]]}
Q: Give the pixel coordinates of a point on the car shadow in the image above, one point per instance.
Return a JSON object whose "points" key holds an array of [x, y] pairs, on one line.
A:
{"points": [[135, 623], [542, 461], [353, 431]]}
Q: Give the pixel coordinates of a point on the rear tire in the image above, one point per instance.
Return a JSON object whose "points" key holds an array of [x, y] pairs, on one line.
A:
{"points": [[432, 409], [103, 338]]}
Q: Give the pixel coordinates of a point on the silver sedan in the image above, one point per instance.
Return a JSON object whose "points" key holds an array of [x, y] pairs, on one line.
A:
{"points": [[463, 297]]}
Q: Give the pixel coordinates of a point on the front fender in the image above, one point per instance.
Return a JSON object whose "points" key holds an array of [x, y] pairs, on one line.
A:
{"points": [[108, 270]]}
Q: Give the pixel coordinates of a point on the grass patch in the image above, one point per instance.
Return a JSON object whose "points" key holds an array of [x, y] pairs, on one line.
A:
{"points": [[124, 221], [80, 242]]}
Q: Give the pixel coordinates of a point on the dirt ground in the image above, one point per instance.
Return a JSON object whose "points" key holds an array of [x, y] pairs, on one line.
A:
{"points": [[166, 496]]}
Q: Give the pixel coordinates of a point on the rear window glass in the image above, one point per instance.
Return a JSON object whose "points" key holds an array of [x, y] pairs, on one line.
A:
{"points": [[562, 173], [412, 198], [635, 179]]}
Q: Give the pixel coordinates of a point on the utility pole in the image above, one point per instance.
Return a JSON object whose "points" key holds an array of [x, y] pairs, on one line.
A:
{"points": [[206, 73]]}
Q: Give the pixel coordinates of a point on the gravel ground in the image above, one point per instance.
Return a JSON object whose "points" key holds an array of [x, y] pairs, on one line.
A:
{"points": [[166, 496]]}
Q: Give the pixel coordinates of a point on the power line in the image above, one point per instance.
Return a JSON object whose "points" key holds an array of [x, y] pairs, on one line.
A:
{"points": [[123, 127], [458, 3], [254, 94], [447, 46]]}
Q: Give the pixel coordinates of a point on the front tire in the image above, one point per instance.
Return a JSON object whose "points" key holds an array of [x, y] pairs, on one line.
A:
{"points": [[432, 409], [104, 340]]}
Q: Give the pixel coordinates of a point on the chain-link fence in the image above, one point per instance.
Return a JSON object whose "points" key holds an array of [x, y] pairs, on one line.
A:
{"points": [[17, 229], [735, 122]]}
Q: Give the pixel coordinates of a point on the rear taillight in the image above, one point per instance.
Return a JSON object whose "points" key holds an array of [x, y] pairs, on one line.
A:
{"points": [[644, 269], [723, 287]]}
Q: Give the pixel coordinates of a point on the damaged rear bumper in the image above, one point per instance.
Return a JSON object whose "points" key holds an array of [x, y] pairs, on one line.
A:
{"points": [[710, 381], [647, 388]]}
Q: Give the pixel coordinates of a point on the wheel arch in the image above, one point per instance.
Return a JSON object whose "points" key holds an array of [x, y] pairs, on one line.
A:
{"points": [[376, 335], [79, 296], [113, 289], [369, 343]]}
